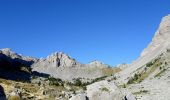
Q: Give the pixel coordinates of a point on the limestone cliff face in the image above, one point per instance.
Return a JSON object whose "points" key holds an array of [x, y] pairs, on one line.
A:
{"points": [[60, 65], [60, 59], [161, 38], [159, 44]]}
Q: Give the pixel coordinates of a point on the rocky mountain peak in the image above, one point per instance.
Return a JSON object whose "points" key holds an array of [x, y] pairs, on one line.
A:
{"points": [[161, 38], [8, 52], [96, 62], [60, 59]]}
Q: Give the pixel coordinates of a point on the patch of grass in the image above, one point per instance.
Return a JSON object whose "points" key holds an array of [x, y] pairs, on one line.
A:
{"points": [[6, 82], [134, 79], [159, 74], [149, 64], [168, 50], [98, 79], [110, 71], [141, 92], [55, 81], [139, 77], [104, 89], [15, 97], [123, 85]]}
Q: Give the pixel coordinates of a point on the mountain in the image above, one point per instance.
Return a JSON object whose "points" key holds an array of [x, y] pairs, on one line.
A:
{"points": [[147, 78], [60, 77], [14, 66], [56, 77], [60, 65], [160, 43]]}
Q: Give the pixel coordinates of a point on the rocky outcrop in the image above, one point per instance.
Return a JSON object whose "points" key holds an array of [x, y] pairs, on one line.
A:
{"points": [[9, 53], [160, 43], [79, 97], [103, 90], [62, 66], [57, 64], [148, 77], [55, 60], [97, 64], [161, 38]]}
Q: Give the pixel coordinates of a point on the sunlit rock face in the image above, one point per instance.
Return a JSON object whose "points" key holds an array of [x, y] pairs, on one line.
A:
{"points": [[159, 44], [162, 36], [60, 65]]}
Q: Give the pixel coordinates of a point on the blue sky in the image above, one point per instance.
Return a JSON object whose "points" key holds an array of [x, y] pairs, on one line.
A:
{"points": [[112, 31]]}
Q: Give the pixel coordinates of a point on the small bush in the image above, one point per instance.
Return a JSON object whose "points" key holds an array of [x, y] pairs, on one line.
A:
{"points": [[78, 82], [124, 85], [14, 97], [105, 89], [160, 68], [141, 92], [168, 50], [55, 81], [149, 64], [134, 79]]}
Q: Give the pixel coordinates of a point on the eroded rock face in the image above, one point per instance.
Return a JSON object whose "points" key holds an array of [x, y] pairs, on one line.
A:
{"points": [[104, 90], [62, 66], [162, 36], [160, 43], [97, 64], [59, 59], [55, 60], [79, 97]]}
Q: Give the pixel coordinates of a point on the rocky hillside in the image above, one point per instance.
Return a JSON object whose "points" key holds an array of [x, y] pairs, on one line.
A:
{"points": [[160, 43], [60, 65], [147, 78]]}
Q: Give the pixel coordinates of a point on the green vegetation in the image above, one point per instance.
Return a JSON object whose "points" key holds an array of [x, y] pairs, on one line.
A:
{"points": [[98, 79], [159, 74], [55, 81], [110, 71], [75, 85], [149, 64], [135, 79], [151, 67], [124, 86], [15, 97], [104, 89], [141, 92], [78, 82]]}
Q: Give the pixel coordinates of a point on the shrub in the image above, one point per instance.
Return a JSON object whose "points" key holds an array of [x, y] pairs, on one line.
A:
{"points": [[14, 97], [105, 89], [124, 85], [168, 50], [160, 68], [78, 82], [134, 79], [55, 81], [149, 64]]}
